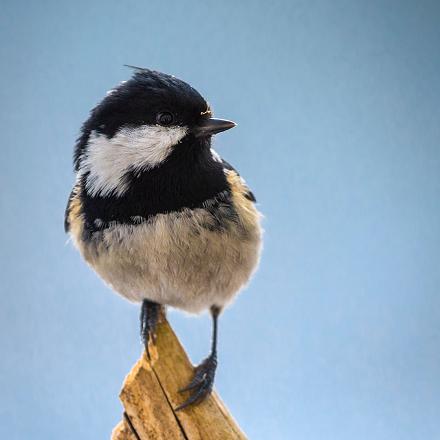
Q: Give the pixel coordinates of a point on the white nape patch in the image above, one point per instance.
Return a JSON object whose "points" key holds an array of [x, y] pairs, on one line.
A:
{"points": [[141, 148], [216, 156]]}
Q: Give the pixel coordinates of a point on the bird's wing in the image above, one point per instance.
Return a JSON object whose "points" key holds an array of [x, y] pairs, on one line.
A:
{"points": [[248, 193], [73, 203], [66, 213]]}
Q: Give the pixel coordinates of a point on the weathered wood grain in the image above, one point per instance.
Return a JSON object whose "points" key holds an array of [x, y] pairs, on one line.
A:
{"points": [[150, 394]]}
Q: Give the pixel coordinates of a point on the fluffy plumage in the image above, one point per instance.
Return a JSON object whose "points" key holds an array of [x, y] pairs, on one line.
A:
{"points": [[155, 211]]}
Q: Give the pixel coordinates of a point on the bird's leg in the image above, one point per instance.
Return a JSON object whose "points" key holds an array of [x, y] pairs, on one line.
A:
{"points": [[149, 317], [203, 379]]}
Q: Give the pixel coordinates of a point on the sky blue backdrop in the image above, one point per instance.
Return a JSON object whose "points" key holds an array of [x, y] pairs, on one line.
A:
{"points": [[338, 110]]}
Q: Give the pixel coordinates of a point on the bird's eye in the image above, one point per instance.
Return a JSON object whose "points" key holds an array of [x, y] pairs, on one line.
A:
{"points": [[165, 118]]}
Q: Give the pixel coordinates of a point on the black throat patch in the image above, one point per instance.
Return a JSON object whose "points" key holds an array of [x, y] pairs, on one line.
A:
{"points": [[189, 177]]}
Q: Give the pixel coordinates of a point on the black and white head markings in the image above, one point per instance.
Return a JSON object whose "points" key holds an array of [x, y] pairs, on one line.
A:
{"points": [[145, 150]]}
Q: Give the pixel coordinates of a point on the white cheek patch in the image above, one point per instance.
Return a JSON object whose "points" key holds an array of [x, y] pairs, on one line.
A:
{"points": [[107, 160]]}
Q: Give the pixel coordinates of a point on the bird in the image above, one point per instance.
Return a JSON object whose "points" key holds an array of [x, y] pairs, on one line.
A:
{"points": [[157, 213]]}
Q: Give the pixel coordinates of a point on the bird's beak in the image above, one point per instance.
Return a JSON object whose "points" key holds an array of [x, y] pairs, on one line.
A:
{"points": [[212, 126]]}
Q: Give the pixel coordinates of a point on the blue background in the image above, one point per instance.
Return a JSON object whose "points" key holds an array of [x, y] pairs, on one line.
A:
{"points": [[338, 335]]}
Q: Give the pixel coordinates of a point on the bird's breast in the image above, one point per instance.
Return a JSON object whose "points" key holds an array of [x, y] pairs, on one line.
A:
{"points": [[190, 259]]}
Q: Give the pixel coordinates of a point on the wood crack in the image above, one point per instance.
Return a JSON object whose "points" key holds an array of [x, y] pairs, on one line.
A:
{"points": [[150, 394]]}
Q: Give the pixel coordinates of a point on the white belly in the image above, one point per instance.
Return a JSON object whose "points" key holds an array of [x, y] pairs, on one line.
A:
{"points": [[177, 259]]}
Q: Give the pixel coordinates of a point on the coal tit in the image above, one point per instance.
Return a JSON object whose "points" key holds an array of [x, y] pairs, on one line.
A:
{"points": [[156, 212]]}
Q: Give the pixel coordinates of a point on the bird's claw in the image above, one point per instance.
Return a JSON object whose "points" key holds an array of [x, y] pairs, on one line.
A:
{"points": [[201, 383]]}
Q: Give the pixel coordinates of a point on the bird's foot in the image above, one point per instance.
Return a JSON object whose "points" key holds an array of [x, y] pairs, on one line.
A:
{"points": [[149, 317], [202, 382]]}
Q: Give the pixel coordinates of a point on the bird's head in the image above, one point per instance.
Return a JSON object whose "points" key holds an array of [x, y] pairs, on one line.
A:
{"points": [[138, 126]]}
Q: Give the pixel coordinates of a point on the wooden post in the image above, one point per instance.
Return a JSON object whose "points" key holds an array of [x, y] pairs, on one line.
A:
{"points": [[150, 394]]}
